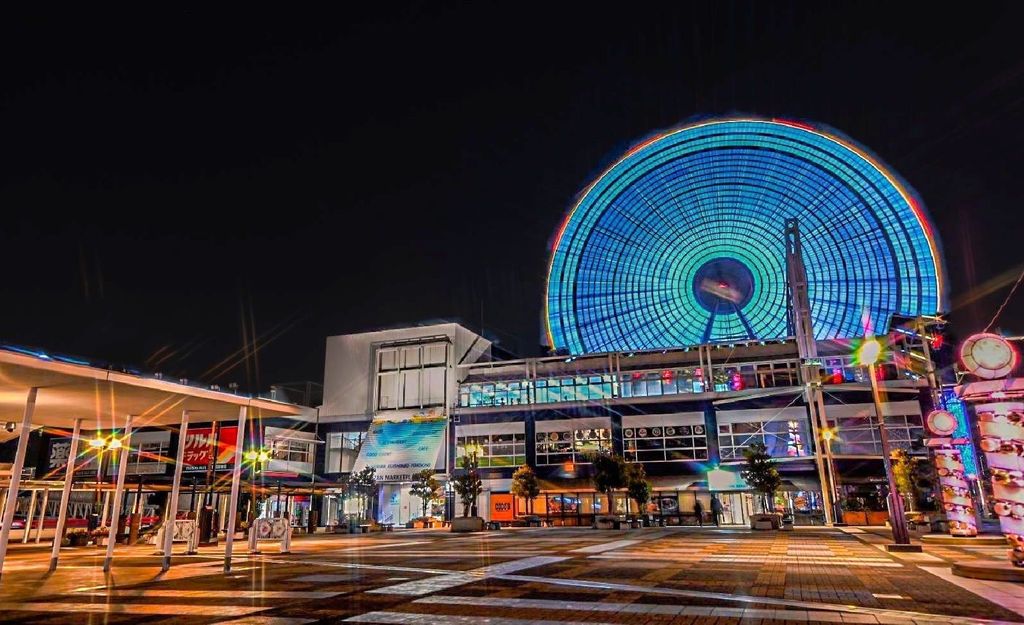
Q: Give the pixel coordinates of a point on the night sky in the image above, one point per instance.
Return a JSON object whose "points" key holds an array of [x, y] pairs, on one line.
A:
{"points": [[169, 179]]}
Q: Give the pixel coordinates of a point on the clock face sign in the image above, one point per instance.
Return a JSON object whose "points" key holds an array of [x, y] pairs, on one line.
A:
{"points": [[988, 356], [941, 423]]}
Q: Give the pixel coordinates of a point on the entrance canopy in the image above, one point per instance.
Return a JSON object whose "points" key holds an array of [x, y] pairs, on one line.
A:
{"points": [[70, 390]]}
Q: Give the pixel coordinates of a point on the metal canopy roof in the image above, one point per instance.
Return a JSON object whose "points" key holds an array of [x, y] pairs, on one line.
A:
{"points": [[102, 397]]}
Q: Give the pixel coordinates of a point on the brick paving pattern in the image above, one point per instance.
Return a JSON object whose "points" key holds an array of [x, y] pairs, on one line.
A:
{"points": [[521, 577]]}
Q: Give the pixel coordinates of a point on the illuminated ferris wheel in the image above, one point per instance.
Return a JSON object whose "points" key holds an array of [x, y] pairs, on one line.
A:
{"points": [[680, 242]]}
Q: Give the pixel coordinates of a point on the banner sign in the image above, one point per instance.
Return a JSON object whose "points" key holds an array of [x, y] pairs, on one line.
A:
{"points": [[200, 452], [397, 450], [502, 507], [57, 459]]}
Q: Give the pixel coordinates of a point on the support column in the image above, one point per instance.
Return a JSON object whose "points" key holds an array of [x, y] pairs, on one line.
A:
{"points": [[236, 478], [19, 464], [42, 514], [65, 496], [106, 506], [28, 516], [172, 501], [115, 513]]}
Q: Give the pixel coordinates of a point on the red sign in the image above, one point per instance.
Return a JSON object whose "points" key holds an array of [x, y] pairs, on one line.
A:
{"points": [[502, 507], [199, 448]]}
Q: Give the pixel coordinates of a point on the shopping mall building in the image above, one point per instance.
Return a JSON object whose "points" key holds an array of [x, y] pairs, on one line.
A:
{"points": [[673, 312]]}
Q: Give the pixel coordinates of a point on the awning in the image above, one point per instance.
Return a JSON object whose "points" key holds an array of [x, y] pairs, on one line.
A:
{"points": [[397, 450]]}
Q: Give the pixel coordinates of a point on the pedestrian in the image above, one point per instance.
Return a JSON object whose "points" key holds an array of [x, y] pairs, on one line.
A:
{"points": [[716, 509], [698, 509]]}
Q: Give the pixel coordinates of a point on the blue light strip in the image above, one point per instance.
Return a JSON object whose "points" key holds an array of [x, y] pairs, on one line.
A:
{"points": [[958, 409]]}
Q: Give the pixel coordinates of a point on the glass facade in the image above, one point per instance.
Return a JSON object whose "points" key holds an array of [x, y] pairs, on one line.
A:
{"points": [[665, 443], [647, 383], [571, 445], [493, 450], [858, 436], [680, 242], [782, 437]]}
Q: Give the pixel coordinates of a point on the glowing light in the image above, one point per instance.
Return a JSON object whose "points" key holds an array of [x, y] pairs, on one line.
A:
{"points": [[941, 422], [988, 356], [671, 267], [264, 455], [97, 443], [251, 455], [114, 444], [828, 434], [869, 351]]}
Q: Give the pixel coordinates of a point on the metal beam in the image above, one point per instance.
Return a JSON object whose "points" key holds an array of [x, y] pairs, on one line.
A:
{"points": [[65, 496], [236, 478], [172, 501], [115, 513], [19, 464]]}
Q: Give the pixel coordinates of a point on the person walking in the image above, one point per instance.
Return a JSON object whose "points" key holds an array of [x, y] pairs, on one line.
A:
{"points": [[698, 509], [716, 509]]}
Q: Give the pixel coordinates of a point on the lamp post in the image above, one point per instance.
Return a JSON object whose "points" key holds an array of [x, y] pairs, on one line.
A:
{"points": [[101, 444], [474, 449], [257, 459], [827, 434], [868, 354]]}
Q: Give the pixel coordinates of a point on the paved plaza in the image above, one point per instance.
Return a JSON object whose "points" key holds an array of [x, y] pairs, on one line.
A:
{"points": [[519, 577]]}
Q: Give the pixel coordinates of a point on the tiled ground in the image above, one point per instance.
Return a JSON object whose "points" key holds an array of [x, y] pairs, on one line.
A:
{"points": [[520, 577]]}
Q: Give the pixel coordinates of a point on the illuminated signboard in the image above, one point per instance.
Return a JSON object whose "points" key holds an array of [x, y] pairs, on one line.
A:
{"points": [[720, 479]]}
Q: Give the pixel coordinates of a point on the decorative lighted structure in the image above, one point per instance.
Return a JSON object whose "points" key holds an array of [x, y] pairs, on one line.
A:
{"points": [[1001, 425], [680, 241], [953, 478]]}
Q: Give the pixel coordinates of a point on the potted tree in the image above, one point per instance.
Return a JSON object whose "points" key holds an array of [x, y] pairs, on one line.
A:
{"points": [[468, 486], [639, 489], [761, 474], [427, 488], [853, 511], [524, 485], [609, 475], [363, 484]]}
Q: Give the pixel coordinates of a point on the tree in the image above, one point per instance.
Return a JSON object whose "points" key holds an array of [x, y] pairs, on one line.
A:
{"points": [[906, 472], [609, 474], [364, 484], [426, 487], [524, 484], [468, 484], [637, 485], [761, 474]]}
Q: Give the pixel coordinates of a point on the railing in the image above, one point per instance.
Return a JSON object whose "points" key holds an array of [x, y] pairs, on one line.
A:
{"points": [[724, 378]]}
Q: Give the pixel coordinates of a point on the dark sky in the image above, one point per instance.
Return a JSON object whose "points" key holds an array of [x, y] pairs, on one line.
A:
{"points": [[331, 173]]}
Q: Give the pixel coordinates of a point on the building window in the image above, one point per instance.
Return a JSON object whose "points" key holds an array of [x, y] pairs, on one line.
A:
{"points": [[782, 437], [412, 376], [342, 450], [571, 445], [291, 450], [858, 436], [493, 450], [665, 443]]}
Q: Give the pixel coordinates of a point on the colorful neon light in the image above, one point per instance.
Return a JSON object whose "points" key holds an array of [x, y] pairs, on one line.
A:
{"points": [[705, 205]]}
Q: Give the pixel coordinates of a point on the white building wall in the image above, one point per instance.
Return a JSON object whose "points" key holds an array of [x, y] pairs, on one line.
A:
{"points": [[350, 370]]}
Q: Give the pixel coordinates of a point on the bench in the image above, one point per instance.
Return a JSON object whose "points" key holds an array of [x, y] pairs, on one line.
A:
{"points": [[493, 525], [388, 527]]}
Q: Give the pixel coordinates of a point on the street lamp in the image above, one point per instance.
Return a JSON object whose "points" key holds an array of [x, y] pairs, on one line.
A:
{"points": [[257, 459], [828, 434], [101, 444], [868, 353]]}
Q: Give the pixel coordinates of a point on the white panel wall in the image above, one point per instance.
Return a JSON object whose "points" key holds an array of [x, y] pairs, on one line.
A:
{"points": [[350, 368]]}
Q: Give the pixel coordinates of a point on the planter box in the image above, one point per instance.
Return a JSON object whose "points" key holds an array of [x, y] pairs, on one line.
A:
{"points": [[854, 517], [606, 523], [877, 517], [467, 524], [765, 521]]}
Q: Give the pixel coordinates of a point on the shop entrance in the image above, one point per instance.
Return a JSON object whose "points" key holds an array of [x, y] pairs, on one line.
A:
{"points": [[736, 507]]}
